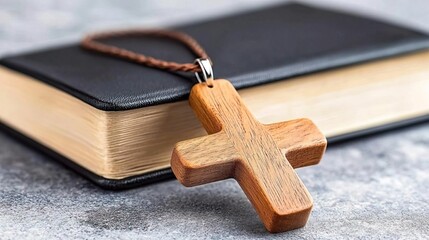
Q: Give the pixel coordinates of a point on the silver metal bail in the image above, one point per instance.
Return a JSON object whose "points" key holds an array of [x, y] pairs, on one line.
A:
{"points": [[206, 74]]}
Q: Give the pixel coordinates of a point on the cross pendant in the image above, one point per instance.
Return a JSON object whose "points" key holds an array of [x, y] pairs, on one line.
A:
{"points": [[240, 147]]}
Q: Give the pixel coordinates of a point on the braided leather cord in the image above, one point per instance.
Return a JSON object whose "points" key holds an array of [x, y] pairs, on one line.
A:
{"points": [[92, 42]]}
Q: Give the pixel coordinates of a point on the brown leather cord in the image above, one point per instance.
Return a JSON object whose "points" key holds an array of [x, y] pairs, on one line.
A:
{"points": [[92, 42]]}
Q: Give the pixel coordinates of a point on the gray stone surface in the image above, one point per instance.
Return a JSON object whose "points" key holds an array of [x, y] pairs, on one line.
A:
{"points": [[375, 188]]}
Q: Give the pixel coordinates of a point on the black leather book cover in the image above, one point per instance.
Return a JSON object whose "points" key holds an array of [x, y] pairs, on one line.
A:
{"points": [[249, 49]]}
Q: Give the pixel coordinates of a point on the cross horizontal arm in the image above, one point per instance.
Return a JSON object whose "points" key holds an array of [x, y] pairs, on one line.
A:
{"points": [[303, 143]]}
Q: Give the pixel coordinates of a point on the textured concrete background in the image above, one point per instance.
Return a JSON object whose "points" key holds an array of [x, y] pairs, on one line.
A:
{"points": [[374, 188]]}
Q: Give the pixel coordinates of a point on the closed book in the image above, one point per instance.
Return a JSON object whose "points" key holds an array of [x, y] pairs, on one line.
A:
{"points": [[116, 122]]}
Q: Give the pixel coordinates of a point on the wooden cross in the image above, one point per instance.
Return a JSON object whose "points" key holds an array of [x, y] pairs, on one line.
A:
{"points": [[240, 147]]}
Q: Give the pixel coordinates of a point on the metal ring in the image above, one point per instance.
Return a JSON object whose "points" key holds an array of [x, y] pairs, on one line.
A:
{"points": [[206, 71]]}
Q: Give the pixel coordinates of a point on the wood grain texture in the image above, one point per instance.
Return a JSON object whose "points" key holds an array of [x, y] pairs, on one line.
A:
{"points": [[240, 147]]}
